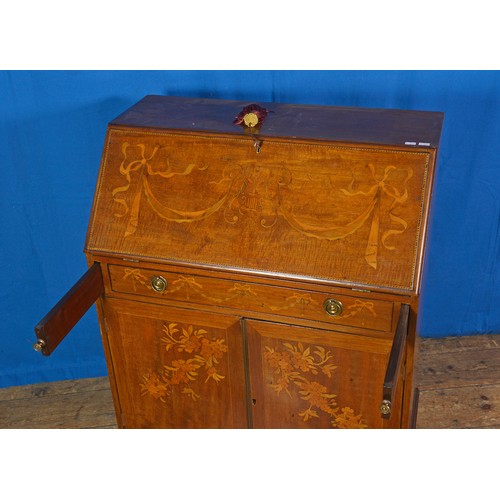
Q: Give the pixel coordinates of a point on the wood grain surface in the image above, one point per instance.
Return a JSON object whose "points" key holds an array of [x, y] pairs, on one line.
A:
{"points": [[459, 380], [332, 123], [59, 321]]}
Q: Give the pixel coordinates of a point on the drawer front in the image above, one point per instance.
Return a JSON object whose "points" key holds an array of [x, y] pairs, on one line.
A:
{"points": [[340, 213], [343, 309]]}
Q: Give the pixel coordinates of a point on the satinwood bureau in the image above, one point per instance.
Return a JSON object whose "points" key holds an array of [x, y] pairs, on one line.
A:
{"points": [[257, 265]]}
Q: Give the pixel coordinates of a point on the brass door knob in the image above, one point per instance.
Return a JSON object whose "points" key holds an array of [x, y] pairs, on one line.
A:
{"points": [[385, 407], [158, 284], [333, 307]]}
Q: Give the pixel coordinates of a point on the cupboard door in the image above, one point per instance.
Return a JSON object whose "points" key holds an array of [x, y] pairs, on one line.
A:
{"points": [[306, 378], [176, 368]]}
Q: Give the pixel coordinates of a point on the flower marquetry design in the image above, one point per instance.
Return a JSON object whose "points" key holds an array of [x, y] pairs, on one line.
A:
{"points": [[295, 367], [196, 358]]}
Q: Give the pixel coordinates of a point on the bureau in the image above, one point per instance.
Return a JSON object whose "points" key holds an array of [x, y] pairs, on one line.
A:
{"points": [[257, 265]]}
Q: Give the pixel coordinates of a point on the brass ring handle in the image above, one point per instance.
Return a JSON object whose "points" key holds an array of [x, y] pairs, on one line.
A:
{"points": [[158, 284], [333, 307]]}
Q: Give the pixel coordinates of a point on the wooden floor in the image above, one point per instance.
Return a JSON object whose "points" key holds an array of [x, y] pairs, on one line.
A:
{"points": [[458, 377], [459, 381]]}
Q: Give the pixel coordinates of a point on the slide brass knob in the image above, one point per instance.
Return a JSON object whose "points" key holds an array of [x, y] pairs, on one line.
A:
{"points": [[39, 345], [159, 284]]}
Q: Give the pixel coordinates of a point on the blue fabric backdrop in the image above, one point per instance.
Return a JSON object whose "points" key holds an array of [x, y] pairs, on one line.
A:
{"points": [[52, 127]]}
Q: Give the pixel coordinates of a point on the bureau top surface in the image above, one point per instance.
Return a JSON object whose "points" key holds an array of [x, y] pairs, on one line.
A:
{"points": [[327, 123]]}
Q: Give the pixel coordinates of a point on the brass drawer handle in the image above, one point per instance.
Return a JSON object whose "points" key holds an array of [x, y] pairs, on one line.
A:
{"points": [[158, 284], [333, 307]]}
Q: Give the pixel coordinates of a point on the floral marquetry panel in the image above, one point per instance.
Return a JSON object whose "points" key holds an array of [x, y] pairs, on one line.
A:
{"points": [[175, 366], [356, 212], [305, 378]]}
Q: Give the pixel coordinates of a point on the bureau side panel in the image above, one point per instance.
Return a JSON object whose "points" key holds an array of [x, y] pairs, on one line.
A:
{"points": [[347, 214]]}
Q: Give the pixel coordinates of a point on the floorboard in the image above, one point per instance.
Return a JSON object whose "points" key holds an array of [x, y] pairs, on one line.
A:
{"points": [[70, 404], [459, 381]]}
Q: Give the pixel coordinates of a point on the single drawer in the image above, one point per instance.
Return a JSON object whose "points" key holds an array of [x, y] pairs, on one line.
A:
{"points": [[316, 306]]}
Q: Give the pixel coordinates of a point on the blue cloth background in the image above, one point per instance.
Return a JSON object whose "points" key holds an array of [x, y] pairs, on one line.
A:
{"points": [[52, 127]]}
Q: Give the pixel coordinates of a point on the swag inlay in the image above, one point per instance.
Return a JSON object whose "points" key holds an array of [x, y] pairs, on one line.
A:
{"points": [[261, 193]]}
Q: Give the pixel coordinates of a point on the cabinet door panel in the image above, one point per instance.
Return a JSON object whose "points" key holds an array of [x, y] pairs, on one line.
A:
{"points": [[176, 368], [306, 378]]}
